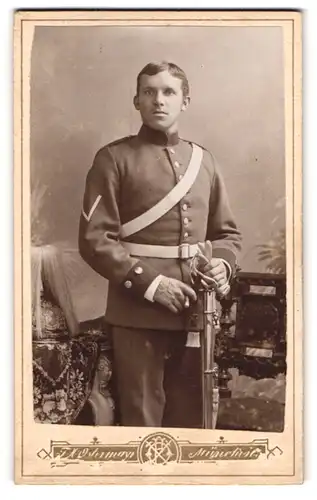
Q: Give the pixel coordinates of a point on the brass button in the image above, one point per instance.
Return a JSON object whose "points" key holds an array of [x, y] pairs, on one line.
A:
{"points": [[186, 221], [186, 235], [138, 270], [177, 165], [185, 207], [180, 177], [128, 284], [172, 151]]}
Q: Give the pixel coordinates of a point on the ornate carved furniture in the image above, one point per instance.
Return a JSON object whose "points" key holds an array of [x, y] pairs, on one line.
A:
{"points": [[253, 335]]}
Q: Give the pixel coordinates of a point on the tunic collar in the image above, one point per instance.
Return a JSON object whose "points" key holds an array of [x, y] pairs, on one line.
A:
{"points": [[158, 137]]}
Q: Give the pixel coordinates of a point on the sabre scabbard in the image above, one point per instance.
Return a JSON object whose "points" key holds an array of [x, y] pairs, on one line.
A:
{"points": [[209, 324], [210, 390]]}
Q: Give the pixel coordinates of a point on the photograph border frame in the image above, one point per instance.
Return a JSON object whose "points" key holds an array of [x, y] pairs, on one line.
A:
{"points": [[21, 228]]}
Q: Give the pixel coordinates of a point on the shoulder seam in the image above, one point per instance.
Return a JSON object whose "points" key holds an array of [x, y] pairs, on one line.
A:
{"points": [[108, 146], [118, 141]]}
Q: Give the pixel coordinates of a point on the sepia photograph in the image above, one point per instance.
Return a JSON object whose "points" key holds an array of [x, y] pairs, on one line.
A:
{"points": [[158, 214]]}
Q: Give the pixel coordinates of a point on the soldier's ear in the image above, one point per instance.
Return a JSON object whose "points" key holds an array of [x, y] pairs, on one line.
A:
{"points": [[186, 102], [136, 102]]}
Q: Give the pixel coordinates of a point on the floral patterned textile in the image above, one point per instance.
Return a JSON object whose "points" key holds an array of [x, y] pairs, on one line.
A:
{"points": [[63, 373]]}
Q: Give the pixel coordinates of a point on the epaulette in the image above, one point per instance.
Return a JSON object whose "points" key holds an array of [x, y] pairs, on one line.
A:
{"points": [[193, 142], [122, 139]]}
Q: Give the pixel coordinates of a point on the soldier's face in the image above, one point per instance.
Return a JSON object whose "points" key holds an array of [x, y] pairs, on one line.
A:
{"points": [[160, 101]]}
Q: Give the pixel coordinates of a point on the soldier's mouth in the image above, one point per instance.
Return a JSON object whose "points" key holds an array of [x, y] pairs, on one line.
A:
{"points": [[159, 113]]}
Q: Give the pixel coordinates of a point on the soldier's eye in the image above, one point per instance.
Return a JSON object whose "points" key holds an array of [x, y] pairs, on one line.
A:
{"points": [[169, 92]]}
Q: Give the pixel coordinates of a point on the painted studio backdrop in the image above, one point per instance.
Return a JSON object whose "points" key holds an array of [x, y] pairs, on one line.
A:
{"points": [[83, 81]]}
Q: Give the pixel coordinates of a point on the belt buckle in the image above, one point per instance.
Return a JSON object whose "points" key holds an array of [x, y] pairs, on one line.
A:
{"points": [[184, 251]]}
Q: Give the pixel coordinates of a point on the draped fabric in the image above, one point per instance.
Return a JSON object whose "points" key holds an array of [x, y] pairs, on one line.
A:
{"points": [[65, 354]]}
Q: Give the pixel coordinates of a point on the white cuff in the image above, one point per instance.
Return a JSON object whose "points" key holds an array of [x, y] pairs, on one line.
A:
{"points": [[150, 292], [229, 270]]}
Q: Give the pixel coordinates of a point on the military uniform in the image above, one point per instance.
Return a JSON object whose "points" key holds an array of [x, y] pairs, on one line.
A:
{"points": [[128, 177]]}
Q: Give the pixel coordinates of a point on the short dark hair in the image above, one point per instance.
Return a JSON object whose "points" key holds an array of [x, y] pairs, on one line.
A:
{"points": [[154, 68]]}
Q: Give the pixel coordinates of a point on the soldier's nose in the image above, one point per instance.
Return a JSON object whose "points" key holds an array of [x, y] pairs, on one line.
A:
{"points": [[159, 98]]}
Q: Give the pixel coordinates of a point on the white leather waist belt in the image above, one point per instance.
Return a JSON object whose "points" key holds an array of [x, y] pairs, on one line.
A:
{"points": [[183, 252]]}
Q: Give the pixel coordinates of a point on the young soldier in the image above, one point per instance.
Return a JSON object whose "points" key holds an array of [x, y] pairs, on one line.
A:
{"points": [[149, 200]]}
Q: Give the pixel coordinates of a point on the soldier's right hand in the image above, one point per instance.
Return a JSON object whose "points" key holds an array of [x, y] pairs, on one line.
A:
{"points": [[174, 294]]}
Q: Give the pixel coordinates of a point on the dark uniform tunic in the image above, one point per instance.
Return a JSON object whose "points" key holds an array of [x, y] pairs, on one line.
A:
{"points": [[127, 178]]}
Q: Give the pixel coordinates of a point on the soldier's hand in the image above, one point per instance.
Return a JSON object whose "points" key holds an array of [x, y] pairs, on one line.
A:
{"points": [[214, 269], [174, 294]]}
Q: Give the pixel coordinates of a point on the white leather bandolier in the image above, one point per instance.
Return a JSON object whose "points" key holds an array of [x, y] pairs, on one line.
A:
{"points": [[184, 251]]}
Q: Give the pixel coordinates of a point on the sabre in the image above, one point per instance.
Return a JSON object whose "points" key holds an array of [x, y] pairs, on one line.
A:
{"points": [[211, 324]]}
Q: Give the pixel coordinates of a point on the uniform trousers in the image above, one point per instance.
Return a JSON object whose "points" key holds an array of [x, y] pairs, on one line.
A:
{"points": [[147, 368]]}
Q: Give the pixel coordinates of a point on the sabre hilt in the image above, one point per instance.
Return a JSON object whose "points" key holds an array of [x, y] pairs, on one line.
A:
{"points": [[203, 282]]}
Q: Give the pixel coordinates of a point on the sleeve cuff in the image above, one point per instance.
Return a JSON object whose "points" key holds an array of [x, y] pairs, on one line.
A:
{"points": [[150, 292], [139, 278]]}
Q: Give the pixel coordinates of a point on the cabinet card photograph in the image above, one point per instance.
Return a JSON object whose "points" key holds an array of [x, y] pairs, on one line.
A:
{"points": [[158, 250]]}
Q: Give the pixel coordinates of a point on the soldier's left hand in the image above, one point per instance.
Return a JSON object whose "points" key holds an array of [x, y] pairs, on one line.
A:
{"points": [[212, 267]]}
